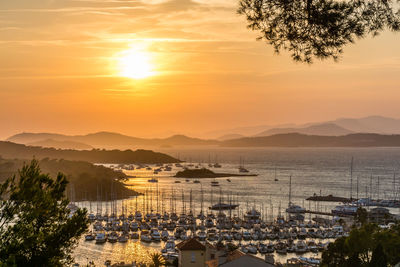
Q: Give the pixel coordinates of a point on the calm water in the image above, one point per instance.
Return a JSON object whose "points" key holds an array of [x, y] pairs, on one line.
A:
{"points": [[313, 170]]}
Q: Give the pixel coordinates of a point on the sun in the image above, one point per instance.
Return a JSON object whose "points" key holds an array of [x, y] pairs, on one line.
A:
{"points": [[135, 64]]}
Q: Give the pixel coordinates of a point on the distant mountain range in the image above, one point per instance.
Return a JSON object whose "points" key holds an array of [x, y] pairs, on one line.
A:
{"points": [[347, 128], [230, 137], [302, 140], [341, 126], [104, 140], [325, 129]]}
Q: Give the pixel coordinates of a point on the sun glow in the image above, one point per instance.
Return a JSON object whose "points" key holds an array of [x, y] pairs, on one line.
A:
{"points": [[135, 64]]}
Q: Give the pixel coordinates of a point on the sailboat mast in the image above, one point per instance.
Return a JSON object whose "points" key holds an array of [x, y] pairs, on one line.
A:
{"points": [[370, 187], [157, 200], [394, 185], [351, 179], [378, 186], [202, 199], [290, 190], [183, 203], [357, 186], [190, 202]]}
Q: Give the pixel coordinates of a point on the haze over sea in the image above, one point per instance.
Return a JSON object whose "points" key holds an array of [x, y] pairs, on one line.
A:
{"points": [[313, 170]]}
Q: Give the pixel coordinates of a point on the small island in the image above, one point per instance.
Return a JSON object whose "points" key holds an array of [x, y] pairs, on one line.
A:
{"points": [[205, 173]]}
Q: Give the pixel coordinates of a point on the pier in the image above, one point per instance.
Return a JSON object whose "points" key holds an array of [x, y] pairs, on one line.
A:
{"points": [[319, 213]]}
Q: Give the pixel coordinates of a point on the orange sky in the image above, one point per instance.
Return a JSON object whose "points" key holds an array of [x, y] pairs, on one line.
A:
{"points": [[59, 71]]}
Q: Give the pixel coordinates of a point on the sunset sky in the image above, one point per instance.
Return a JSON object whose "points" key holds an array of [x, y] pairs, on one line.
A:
{"points": [[157, 67]]}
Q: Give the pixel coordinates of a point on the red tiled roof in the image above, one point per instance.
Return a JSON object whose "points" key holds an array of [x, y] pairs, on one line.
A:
{"points": [[191, 244], [212, 263], [233, 255]]}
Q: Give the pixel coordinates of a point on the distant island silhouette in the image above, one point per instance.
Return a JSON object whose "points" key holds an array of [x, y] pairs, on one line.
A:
{"points": [[12, 150], [206, 173]]}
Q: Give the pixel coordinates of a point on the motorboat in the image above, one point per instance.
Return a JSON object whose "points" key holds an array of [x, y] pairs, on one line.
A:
{"points": [[270, 248], [113, 237], [252, 249], [202, 235], [169, 246], [243, 170], [155, 235], [101, 238], [300, 247], [312, 246], [164, 235], [281, 248], [217, 165], [295, 209], [134, 226], [145, 237], [246, 235], [312, 261], [343, 210], [89, 237], [123, 238], [214, 183], [138, 216], [134, 235], [223, 206]]}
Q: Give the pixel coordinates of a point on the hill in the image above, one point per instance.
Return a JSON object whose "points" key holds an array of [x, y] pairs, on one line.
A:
{"points": [[182, 140], [326, 129], [108, 139], [302, 140], [86, 181], [245, 131], [61, 144], [371, 124], [230, 136], [12, 150]]}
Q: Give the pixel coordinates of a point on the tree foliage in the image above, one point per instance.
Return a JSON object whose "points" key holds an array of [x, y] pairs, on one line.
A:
{"points": [[157, 260], [36, 227], [318, 28], [368, 245], [361, 215]]}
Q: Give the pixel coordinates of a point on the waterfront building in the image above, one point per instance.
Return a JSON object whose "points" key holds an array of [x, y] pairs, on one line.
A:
{"points": [[193, 253], [237, 258]]}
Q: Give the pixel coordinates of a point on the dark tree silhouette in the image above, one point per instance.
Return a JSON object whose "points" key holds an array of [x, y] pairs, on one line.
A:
{"points": [[368, 245], [320, 29], [36, 227]]}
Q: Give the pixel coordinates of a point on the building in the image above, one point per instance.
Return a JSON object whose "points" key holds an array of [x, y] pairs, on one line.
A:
{"points": [[237, 258], [193, 253]]}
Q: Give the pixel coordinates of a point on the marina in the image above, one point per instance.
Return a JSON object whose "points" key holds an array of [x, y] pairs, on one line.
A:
{"points": [[260, 223]]}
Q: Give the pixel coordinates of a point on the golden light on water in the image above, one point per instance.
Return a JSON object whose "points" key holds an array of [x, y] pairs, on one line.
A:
{"points": [[135, 64]]}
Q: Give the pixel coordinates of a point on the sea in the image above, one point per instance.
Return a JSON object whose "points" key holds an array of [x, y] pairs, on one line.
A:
{"points": [[343, 172]]}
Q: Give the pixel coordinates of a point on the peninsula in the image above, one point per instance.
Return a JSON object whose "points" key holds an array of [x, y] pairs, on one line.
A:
{"points": [[12, 150]]}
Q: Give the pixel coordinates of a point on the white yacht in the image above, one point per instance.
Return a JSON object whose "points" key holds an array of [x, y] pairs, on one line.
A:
{"points": [[100, 238], [155, 235], [300, 247], [295, 209]]}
